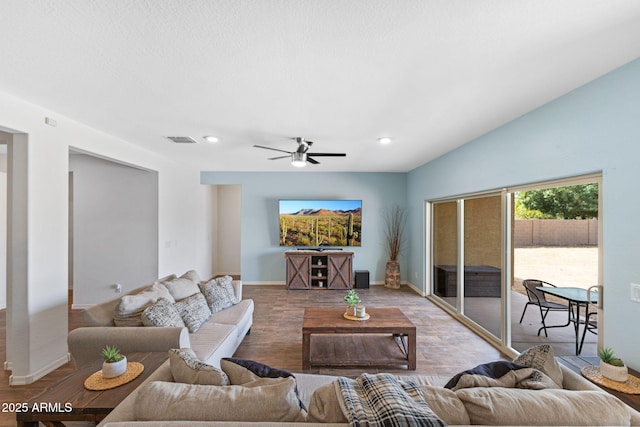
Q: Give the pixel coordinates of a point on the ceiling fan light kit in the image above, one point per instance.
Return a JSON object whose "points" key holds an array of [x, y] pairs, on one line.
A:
{"points": [[301, 156], [385, 140], [299, 160], [211, 139]]}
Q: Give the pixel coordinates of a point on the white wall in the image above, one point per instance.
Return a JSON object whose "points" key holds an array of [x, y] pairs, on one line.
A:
{"points": [[115, 228], [228, 225], [182, 215], [3, 228]]}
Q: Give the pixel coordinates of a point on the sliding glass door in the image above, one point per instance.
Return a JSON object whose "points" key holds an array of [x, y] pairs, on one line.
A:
{"points": [[467, 258], [483, 261], [485, 244], [445, 251]]}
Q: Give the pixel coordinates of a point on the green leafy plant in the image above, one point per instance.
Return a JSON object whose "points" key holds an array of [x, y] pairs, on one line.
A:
{"points": [[351, 297], [111, 354], [607, 355]]}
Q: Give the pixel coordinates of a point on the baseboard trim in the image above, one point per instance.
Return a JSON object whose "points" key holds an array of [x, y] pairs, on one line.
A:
{"points": [[35, 376]]}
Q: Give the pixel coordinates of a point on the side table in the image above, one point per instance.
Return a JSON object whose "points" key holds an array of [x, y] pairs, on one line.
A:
{"points": [[575, 363], [69, 400]]}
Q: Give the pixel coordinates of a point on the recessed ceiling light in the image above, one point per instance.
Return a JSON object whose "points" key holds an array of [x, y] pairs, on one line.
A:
{"points": [[211, 139], [385, 140]]}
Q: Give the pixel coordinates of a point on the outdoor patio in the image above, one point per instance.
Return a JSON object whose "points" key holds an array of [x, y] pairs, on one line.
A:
{"points": [[486, 311]]}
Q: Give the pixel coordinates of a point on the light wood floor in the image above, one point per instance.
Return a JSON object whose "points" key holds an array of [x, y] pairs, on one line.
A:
{"points": [[444, 346]]}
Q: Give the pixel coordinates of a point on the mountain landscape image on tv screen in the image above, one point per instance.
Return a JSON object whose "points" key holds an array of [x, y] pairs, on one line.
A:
{"points": [[309, 223]]}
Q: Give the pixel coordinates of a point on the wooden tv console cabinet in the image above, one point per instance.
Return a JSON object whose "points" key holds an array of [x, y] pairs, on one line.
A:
{"points": [[310, 269]]}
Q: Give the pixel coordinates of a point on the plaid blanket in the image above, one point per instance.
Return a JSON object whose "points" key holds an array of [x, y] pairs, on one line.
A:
{"points": [[383, 400]]}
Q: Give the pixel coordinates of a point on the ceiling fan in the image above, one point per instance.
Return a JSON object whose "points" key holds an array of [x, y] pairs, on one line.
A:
{"points": [[301, 156]]}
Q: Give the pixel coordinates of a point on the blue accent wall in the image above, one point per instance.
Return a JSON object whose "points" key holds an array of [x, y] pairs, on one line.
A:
{"points": [[595, 128], [261, 256]]}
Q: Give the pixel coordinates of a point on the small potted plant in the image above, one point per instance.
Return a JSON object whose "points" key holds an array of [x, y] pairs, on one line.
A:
{"points": [[352, 299], [612, 367], [115, 363]]}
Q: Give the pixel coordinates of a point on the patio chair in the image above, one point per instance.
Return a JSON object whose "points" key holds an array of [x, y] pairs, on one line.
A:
{"points": [[591, 317], [538, 298]]}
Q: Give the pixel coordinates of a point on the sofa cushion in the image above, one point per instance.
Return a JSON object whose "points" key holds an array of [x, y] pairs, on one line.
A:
{"points": [[445, 404], [219, 294], [129, 310], [507, 406], [163, 314], [214, 341], [324, 406], [193, 311], [542, 358], [186, 368], [184, 286], [266, 399]]}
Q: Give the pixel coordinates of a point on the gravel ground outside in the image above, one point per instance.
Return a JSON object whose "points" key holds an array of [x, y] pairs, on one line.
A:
{"points": [[561, 266]]}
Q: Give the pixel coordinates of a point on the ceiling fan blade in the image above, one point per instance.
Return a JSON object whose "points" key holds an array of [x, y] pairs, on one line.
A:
{"points": [[312, 161], [279, 157], [327, 154], [269, 148]]}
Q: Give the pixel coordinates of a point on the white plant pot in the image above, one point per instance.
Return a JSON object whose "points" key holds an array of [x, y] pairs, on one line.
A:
{"points": [[115, 369], [615, 373]]}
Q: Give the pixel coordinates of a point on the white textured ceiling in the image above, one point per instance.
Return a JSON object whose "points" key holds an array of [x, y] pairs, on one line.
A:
{"points": [[433, 74]]}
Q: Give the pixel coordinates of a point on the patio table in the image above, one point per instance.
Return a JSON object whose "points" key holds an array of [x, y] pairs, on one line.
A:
{"points": [[577, 297]]}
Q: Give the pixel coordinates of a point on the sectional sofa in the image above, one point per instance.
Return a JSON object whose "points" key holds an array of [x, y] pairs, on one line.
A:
{"points": [[220, 331], [160, 401], [218, 390]]}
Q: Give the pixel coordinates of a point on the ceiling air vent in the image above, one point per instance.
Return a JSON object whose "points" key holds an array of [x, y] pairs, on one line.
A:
{"points": [[182, 139]]}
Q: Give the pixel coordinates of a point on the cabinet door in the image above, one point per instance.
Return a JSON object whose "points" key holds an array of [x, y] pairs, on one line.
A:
{"points": [[340, 271], [298, 271]]}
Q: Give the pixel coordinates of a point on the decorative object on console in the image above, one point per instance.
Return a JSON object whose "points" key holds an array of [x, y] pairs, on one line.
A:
{"points": [[115, 364], [394, 219], [612, 367]]}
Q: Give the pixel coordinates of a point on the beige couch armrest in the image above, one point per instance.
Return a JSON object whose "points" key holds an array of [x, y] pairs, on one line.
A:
{"points": [[85, 344]]}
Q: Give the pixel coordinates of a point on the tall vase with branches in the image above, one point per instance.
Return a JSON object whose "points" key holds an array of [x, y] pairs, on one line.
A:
{"points": [[394, 219]]}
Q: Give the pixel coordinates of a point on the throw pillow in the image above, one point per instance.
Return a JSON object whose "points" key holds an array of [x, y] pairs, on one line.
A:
{"points": [[186, 368], [492, 370], [194, 311], [217, 296], [263, 400], [129, 310], [163, 314], [226, 282], [242, 371], [542, 358], [501, 374], [184, 286]]}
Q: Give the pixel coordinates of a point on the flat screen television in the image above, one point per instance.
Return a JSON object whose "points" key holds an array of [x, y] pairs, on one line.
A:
{"points": [[316, 223]]}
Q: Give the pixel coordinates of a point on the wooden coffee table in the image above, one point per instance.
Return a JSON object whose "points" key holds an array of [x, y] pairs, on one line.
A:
{"points": [[351, 341], [69, 400]]}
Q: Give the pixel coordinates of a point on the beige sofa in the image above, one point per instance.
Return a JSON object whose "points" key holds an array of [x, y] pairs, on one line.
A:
{"points": [[218, 337], [578, 403]]}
